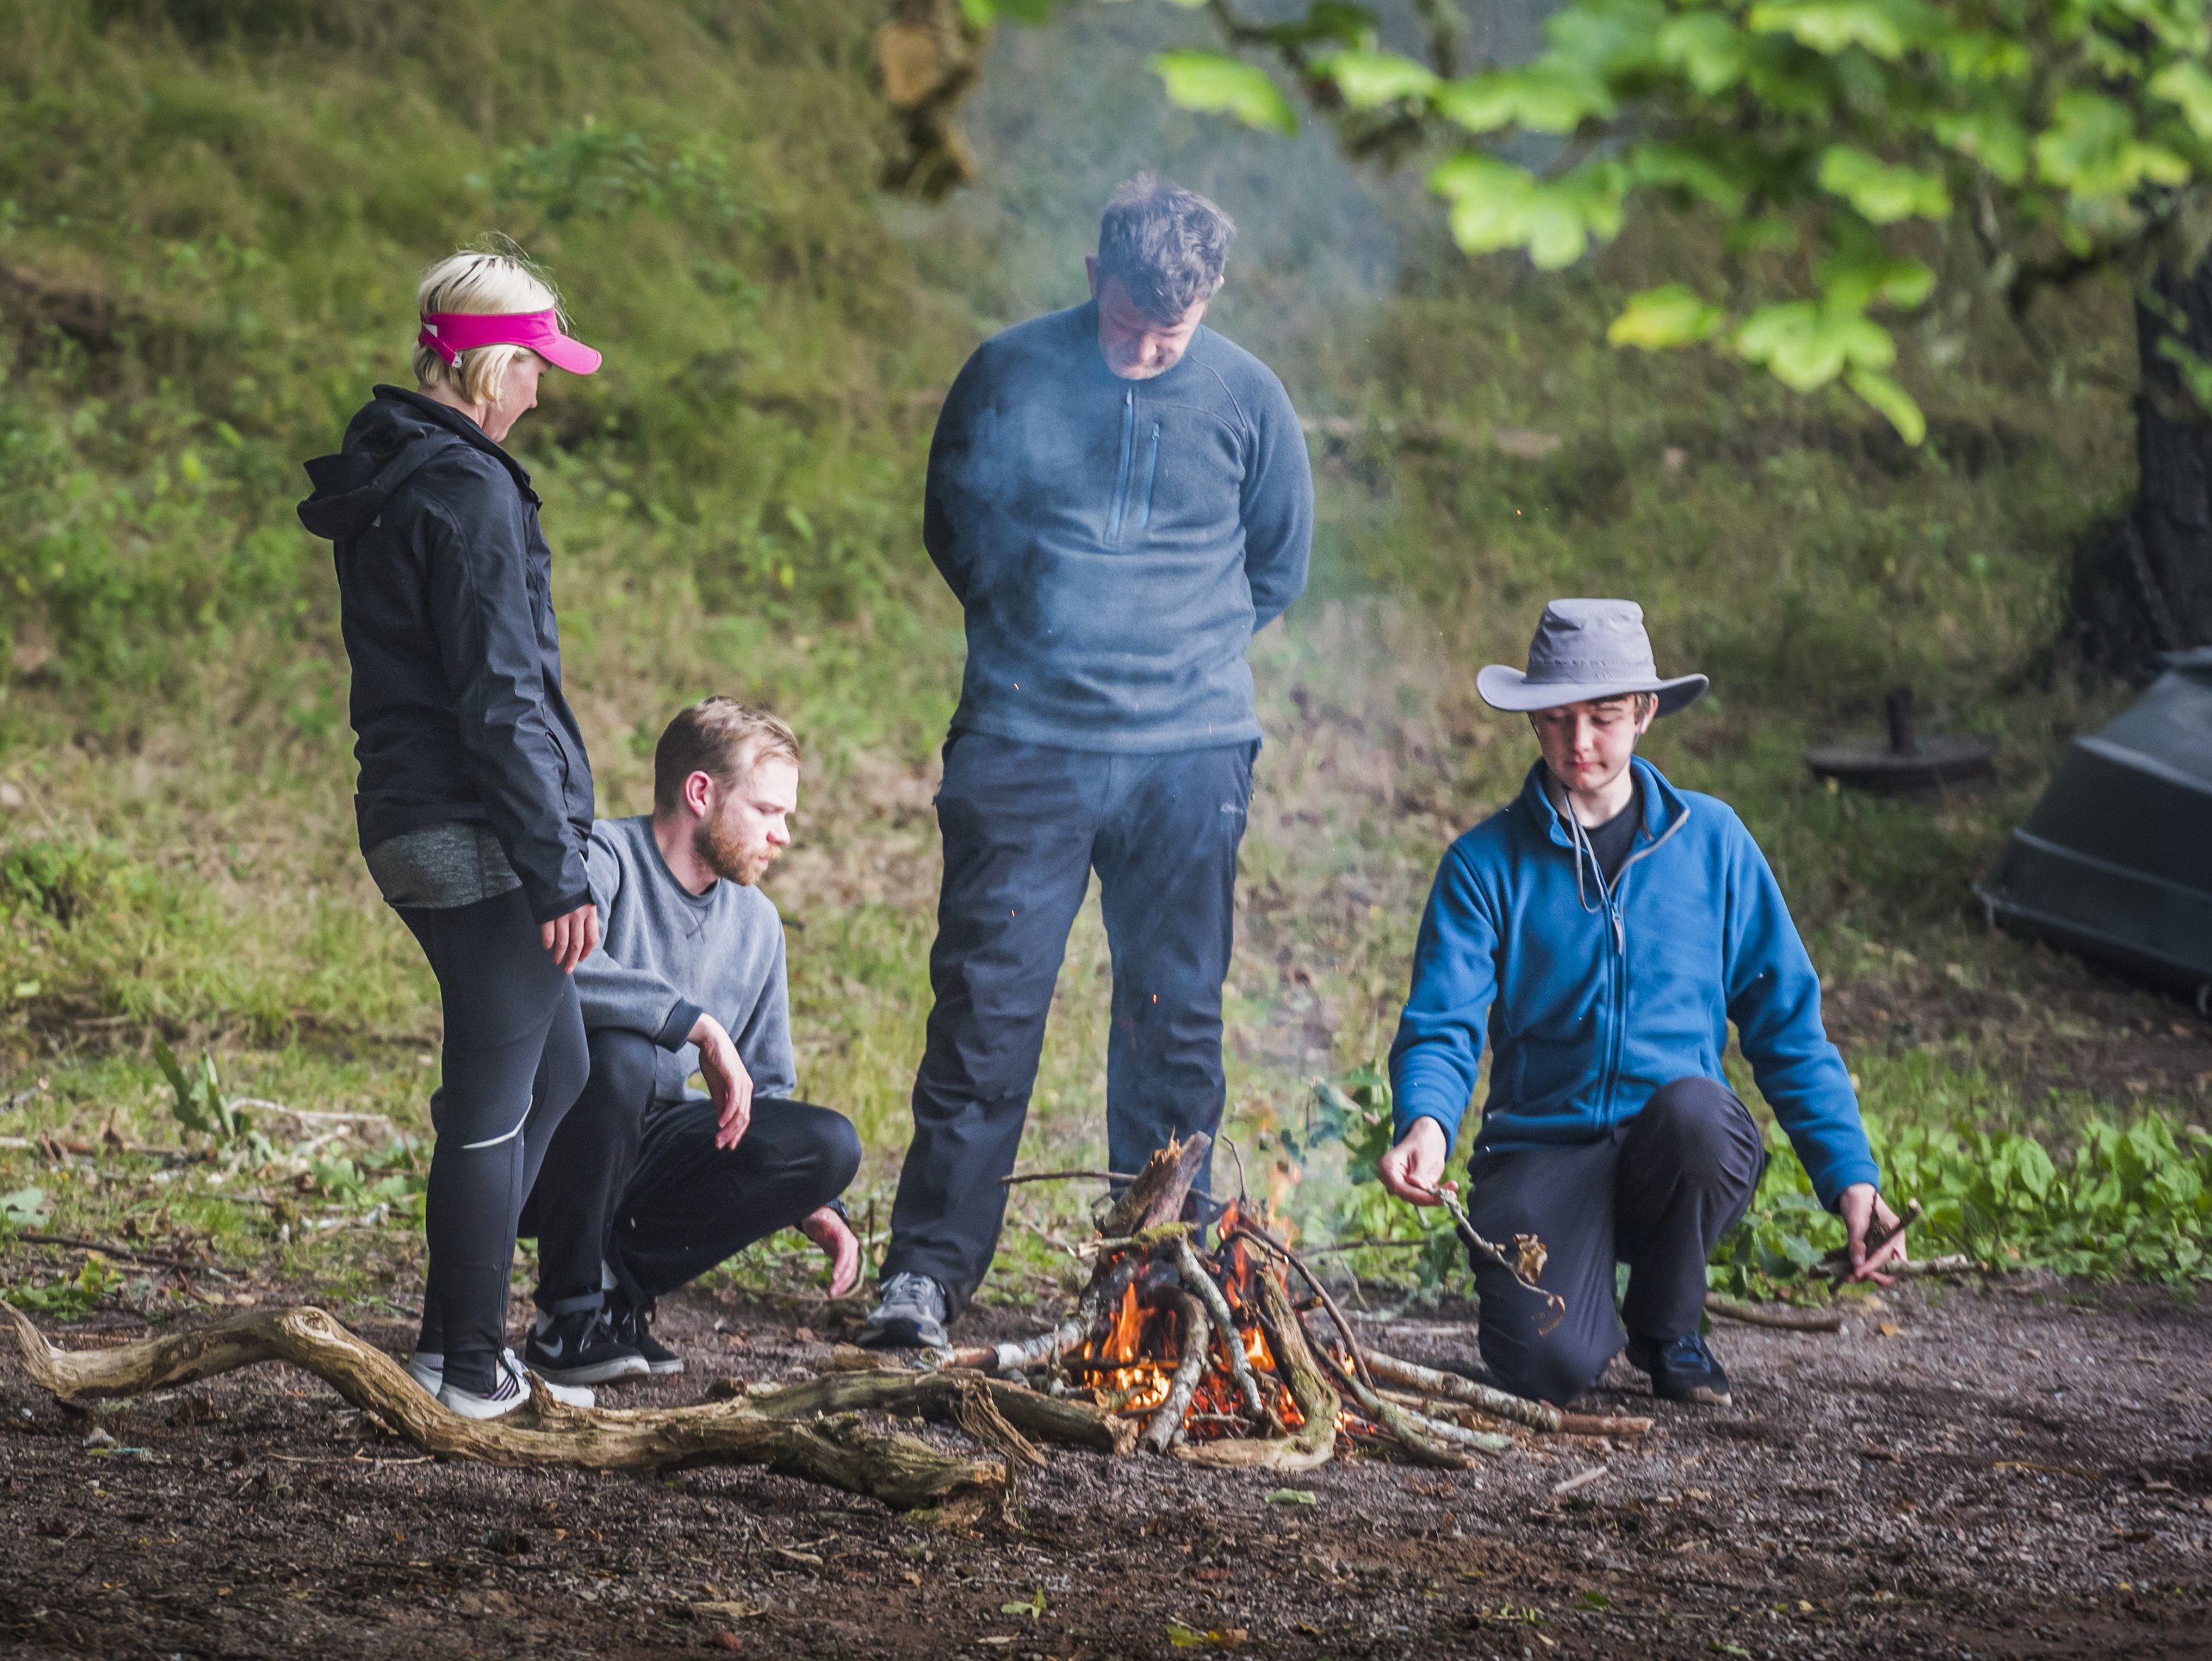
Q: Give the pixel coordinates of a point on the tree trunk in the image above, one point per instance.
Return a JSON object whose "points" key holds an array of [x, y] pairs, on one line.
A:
{"points": [[2142, 584]]}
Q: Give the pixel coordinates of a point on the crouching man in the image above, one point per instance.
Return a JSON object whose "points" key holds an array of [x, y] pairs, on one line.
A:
{"points": [[648, 1184], [1606, 927]]}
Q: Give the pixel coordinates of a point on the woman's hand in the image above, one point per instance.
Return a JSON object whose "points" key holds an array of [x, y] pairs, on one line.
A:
{"points": [[1412, 1169], [571, 939], [1862, 1206], [835, 1236]]}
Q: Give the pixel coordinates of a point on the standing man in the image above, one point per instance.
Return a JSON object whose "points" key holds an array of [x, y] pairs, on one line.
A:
{"points": [[1120, 497]]}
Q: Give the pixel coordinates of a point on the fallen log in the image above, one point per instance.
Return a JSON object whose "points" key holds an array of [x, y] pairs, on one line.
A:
{"points": [[1783, 1320], [904, 1472], [1536, 1415]]}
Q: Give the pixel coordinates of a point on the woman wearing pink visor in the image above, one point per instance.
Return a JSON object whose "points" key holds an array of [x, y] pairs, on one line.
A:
{"points": [[475, 793]]}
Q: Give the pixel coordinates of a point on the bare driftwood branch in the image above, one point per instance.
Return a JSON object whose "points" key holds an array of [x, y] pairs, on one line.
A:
{"points": [[937, 1395], [104, 1249], [1418, 1435], [1314, 1443], [1225, 1323], [1783, 1320], [903, 1472], [1166, 1426], [1065, 1177]]}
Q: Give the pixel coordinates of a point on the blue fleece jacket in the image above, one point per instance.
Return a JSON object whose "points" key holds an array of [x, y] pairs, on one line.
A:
{"points": [[1116, 543], [1595, 998]]}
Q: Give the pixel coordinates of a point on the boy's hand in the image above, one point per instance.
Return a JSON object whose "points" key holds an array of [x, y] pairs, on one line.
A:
{"points": [[727, 1082], [835, 1236], [1864, 1214], [1412, 1169]]}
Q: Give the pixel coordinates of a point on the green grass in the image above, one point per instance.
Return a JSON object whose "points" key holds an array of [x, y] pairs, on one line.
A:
{"points": [[229, 220]]}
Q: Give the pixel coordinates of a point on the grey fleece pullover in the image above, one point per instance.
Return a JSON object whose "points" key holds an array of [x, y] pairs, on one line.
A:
{"points": [[665, 954]]}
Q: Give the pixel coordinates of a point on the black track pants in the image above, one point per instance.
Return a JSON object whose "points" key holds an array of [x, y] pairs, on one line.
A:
{"points": [[1025, 826], [642, 1187], [514, 1061], [1656, 1192]]}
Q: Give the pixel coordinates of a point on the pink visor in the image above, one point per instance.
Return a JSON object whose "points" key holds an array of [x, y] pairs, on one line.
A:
{"points": [[451, 333]]}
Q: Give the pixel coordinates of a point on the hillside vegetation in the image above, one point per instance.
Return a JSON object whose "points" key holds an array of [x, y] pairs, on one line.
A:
{"points": [[211, 218]]}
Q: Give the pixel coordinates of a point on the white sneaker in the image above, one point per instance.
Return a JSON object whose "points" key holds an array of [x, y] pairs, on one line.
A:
{"points": [[426, 1368], [510, 1389]]}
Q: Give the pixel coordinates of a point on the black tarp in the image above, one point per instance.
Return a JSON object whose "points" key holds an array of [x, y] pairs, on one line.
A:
{"points": [[2116, 860]]}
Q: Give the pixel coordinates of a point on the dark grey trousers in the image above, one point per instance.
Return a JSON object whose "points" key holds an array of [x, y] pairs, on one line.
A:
{"points": [[1025, 826], [1655, 1192]]}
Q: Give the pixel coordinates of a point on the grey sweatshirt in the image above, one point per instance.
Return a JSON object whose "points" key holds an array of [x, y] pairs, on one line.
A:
{"points": [[665, 954]]}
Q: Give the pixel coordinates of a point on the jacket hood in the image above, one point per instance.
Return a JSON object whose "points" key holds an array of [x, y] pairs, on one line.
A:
{"points": [[394, 434]]}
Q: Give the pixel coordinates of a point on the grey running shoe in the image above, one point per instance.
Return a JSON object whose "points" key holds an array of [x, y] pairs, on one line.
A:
{"points": [[909, 1315], [426, 1368], [510, 1389]]}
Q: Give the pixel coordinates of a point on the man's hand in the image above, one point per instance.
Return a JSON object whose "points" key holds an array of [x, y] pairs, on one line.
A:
{"points": [[727, 1082], [1864, 1214], [572, 938], [1412, 1169], [835, 1236]]}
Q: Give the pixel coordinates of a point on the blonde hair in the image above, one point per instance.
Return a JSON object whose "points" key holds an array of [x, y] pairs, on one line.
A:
{"points": [[479, 284], [721, 738]]}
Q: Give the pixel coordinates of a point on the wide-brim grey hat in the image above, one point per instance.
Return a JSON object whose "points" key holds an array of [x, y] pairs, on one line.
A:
{"points": [[1585, 650]]}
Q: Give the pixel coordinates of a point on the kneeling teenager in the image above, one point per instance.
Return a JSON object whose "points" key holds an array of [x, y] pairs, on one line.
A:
{"points": [[648, 1184], [1605, 928]]}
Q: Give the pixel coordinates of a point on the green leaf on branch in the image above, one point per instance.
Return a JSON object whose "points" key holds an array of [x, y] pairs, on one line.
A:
{"points": [[1545, 96], [1893, 400], [1674, 315], [1495, 205], [1695, 170], [1370, 80], [1988, 136], [1887, 28], [2092, 150], [1705, 47], [1804, 343], [2188, 88], [1853, 284], [1882, 193], [1217, 84]]}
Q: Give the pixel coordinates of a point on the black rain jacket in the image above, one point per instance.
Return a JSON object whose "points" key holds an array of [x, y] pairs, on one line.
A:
{"points": [[445, 600]]}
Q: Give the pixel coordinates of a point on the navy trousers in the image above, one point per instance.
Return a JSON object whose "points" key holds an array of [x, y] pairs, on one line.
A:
{"points": [[1024, 825], [640, 1186], [1656, 1192]]}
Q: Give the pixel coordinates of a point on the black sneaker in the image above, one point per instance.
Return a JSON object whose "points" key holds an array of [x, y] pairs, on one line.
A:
{"points": [[581, 1348], [909, 1314], [632, 1327], [1683, 1369]]}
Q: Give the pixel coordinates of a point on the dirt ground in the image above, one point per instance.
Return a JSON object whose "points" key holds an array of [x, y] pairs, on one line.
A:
{"points": [[2007, 1470]]}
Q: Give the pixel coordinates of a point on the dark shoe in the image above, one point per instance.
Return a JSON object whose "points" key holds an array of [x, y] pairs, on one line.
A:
{"points": [[581, 1348], [1683, 1369], [909, 1314], [632, 1327]]}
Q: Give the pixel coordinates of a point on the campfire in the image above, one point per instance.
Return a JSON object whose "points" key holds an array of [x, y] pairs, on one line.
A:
{"points": [[1211, 1350]]}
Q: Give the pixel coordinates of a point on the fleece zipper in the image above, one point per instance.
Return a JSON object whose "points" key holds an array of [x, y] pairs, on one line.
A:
{"points": [[1151, 465], [1609, 899], [1128, 459]]}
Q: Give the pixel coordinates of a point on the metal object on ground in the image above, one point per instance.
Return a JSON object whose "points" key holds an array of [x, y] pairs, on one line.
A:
{"points": [[2116, 860], [1910, 761]]}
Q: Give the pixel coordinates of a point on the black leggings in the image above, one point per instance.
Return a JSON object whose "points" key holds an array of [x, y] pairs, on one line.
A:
{"points": [[514, 1062]]}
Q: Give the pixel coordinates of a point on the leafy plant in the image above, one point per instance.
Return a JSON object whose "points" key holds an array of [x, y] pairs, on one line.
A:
{"points": [[1356, 1116], [70, 1297], [1831, 142], [199, 1103], [2131, 1203]]}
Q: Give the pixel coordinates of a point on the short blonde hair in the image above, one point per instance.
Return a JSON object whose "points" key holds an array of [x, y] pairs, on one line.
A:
{"points": [[721, 738], [476, 285]]}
